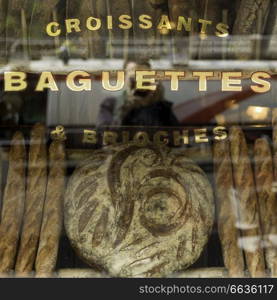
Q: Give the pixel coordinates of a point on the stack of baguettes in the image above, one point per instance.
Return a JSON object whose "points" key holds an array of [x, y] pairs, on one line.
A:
{"points": [[246, 201], [31, 216]]}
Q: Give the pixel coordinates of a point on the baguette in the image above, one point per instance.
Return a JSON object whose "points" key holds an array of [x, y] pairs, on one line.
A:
{"points": [[250, 14], [35, 195], [250, 8], [53, 212], [13, 204], [227, 210], [274, 140], [267, 200], [248, 204]]}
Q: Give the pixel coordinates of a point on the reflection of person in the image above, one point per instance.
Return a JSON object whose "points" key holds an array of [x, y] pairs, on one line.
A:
{"points": [[137, 107]]}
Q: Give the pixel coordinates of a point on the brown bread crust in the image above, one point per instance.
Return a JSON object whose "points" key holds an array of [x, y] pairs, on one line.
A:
{"points": [[246, 23], [247, 16], [13, 204], [274, 139], [53, 212], [267, 201], [248, 203], [227, 203], [35, 195], [139, 211]]}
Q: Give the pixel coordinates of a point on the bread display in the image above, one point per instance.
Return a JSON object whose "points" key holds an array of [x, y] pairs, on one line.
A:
{"points": [[13, 204], [139, 211], [249, 222], [138, 139], [228, 212], [35, 195], [53, 212], [267, 200]]}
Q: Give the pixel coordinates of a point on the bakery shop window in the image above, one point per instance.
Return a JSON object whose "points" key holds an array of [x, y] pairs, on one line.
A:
{"points": [[138, 139]]}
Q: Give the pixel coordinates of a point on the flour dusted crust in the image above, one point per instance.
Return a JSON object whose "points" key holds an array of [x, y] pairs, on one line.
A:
{"points": [[13, 204], [35, 195], [274, 140], [264, 176], [53, 212], [139, 212], [248, 203], [227, 210]]}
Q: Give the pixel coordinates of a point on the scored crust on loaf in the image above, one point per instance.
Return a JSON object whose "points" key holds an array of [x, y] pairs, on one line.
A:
{"points": [[264, 176], [227, 208], [35, 195], [51, 227], [249, 222], [139, 212], [13, 204]]}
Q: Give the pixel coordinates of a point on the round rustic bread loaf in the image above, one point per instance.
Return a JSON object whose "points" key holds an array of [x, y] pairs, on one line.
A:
{"points": [[139, 211]]}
